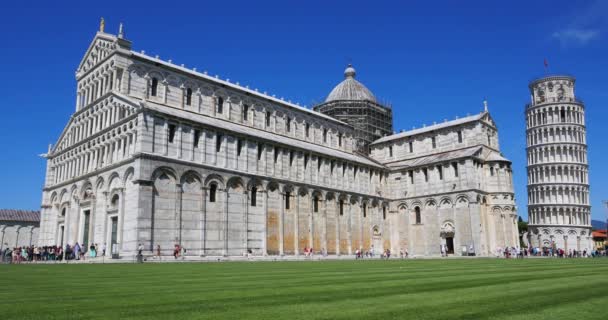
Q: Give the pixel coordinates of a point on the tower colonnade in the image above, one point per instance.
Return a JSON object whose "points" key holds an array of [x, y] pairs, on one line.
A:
{"points": [[559, 213]]}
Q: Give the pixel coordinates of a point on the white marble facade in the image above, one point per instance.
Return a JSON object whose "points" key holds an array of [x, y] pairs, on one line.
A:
{"points": [[559, 212], [159, 154]]}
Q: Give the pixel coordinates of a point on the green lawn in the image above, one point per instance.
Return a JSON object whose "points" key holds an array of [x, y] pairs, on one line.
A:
{"points": [[411, 289]]}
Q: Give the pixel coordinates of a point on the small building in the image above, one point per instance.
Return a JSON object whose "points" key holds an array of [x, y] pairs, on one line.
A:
{"points": [[599, 239], [18, 228]]}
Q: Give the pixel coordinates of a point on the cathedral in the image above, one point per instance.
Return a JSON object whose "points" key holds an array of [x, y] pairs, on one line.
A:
{"points": [[161, 155]]}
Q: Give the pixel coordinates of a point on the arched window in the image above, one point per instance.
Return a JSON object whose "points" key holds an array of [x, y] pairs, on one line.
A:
{"points": [[307, 130], [63, 212], [245, 112], [212, 192], [220, 104], [114, 201], [287, 196], [383, 213], [418, 217], [324, 135], [268, 115], [254, 196], [364, 210], [341, 207], [188, 96], [316, 204], [154, 87]]}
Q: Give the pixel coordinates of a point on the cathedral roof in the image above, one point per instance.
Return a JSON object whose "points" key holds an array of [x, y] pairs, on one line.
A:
{"points": [[227, 84], [439, 157], [350, 89], [438, 126], [19, 215], [496, 157]]}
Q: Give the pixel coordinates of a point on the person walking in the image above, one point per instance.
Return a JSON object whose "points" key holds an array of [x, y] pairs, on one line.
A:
{"points": [[77, 251]]}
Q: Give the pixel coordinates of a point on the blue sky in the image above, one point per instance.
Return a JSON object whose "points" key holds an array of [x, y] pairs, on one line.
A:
{"points": [[431, 60]]}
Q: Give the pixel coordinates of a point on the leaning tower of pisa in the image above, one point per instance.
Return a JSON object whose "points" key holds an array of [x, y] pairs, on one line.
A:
{"points": [[559, 214]]}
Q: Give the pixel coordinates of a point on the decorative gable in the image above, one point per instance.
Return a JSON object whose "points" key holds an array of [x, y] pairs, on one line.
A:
{"points": [[96, 119], [102, 46], [488, 119]]}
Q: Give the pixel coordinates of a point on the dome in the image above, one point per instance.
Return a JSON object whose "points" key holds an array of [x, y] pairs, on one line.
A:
{"points": [[350, 89]]}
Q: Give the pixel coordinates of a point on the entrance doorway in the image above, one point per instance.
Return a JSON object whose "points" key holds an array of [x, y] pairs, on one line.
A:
{"points": [[449, 243], [87, 223], [61, 231], [114, 238]]}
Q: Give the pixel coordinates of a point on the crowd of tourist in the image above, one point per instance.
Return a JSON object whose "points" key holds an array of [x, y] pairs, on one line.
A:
{"points": [[78, 252], [51, 253], [513, 252]]}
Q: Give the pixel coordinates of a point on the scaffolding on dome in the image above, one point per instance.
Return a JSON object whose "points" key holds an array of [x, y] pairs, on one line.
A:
{"points": [[371, 120]]}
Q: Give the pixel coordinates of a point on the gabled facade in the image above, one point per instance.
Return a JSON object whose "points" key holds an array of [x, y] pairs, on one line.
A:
{"points": [[158, 154]]}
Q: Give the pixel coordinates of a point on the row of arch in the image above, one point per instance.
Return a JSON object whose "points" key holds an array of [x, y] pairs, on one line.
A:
{"points": [[113, 146], [557, 174], [559, 153], [555, 115], [97, 84], [88, 188], [220, 103], [559, 216], [227, 149], [556, 135], [558, 195], [95, 119], [560, 232]]}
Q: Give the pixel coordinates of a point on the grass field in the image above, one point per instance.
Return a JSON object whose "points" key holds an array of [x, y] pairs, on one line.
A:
{"points": [[412, 289]]}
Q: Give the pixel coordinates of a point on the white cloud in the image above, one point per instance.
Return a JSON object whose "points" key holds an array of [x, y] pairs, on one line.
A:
{"points": [[575, 36]]}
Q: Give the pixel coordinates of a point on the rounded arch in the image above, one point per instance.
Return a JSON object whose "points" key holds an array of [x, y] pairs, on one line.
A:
{"points": [[417, 203], [317, 193], [86, 190], [462, 200], [63, 196], [163, 170], [302, 190], [214, 178], [128, 173], [330, 195], [255, 182], [53, 197], [430, 203], [375, 202], [401, 206], [99, 183], [445, 202], [235, 183], [272, 186], [376, 231], [114, 181], [288, 188], [189, 175], [447, 228]]}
